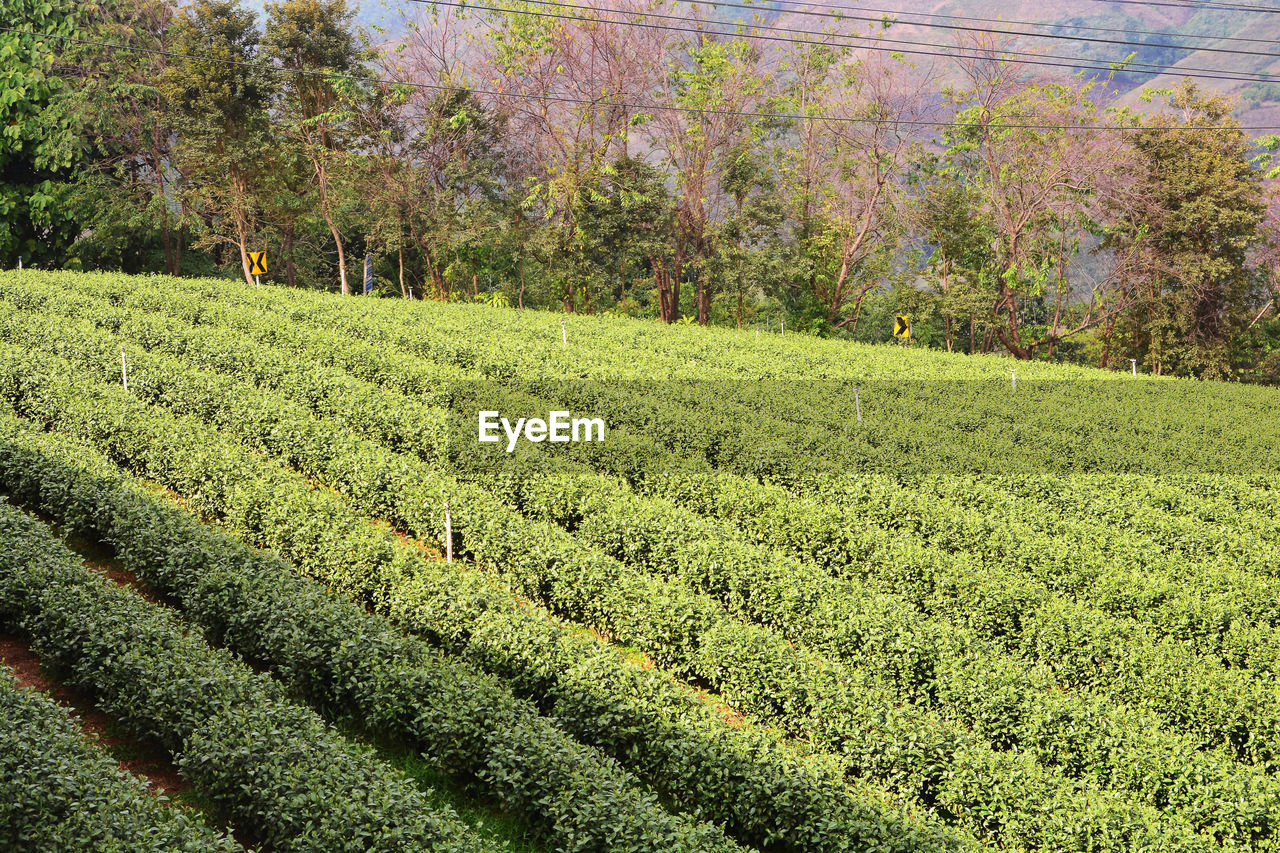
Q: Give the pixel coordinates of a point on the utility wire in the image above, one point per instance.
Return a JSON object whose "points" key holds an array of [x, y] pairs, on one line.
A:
{"points": [[859, 14], [648, 107], [876, 44], [1206, 6], [840, 12]]}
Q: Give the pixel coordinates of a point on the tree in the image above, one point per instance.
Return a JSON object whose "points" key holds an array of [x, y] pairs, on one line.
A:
{"points": [[1201, 207], [946, 217], [750, 255], [314, 39], [710, 83], [130, 186], [844, 171], [626, 219], [218, 95], [566, 87], [41, 138], [1045, 168]]}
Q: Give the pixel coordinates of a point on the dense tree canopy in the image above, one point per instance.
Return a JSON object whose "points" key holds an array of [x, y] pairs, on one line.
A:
{"points": [[685, 173]]}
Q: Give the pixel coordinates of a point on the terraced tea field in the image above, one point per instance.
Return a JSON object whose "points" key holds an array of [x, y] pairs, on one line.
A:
{"points": [[803, 596]]}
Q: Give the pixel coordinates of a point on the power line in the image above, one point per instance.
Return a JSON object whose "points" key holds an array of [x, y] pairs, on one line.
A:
{"points": [[877, 44], [1004, 21], [1212, 7], [555, 98], [853, 15]]}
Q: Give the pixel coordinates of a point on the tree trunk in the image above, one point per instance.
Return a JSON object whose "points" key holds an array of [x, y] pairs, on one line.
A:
{"points": [[289, 234], [165, 237], [662, 280], [322, 184], [520, 298], [400, 257], [704, 299], [242, 244], [946, 289], [678, 273], [343, 287]]}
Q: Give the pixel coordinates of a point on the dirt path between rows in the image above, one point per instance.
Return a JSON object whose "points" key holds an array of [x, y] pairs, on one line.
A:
{"points": [[142, 758]]}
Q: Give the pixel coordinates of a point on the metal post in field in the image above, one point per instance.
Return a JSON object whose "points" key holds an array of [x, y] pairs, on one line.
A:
{"points": [[857, 404], [1134, 363], [124, 369], [564, 336], [1015, 378], [448, 534]]}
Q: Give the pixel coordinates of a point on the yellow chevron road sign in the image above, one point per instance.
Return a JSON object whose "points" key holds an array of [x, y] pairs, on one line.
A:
{"points": [[258, 263]]}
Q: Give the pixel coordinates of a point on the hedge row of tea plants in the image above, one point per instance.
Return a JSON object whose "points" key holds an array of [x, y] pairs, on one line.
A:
{"points": [[341, 657], [831, 625], [741, 777], [272, 766], [59, 791], [835, 707]]}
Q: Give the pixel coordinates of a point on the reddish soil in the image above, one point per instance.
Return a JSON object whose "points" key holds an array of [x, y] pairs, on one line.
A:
{"points": [[145, 759]]}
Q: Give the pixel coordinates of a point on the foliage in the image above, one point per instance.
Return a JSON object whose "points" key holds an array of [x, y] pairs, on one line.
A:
{"points": [[272, 765], [62, 792], [1202, 215], [640, 540], [668, 170]]}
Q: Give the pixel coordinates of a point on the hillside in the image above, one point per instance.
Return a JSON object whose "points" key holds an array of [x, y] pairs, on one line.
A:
{"points": [[793, 594], [1260, 102], [1201, 28]]}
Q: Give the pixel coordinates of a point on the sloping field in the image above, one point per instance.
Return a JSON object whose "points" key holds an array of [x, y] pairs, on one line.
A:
{"points": [[800, 596]]}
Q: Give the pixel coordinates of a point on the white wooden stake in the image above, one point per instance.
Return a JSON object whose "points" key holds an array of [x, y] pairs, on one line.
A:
{"points": [[783, 322], [757, 332], [857, 403], [448, 534], [19, 263], [564, 336], [124, 369], [1134, 362], [1015, 379], [411, 294], [257, 280]]}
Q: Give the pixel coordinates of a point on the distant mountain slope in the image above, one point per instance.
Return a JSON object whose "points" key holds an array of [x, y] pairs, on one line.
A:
{"points": [[1126, 22]]}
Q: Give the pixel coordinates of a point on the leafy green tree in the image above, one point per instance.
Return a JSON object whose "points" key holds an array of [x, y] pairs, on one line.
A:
{"points": [[455, 181], [41, 137], [313, 39], [1201, 207], [1043, 167], [842, 161], [128, 190], [750, 259], [625, 220], [218, 94], [945, 216], [711, 81]]}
